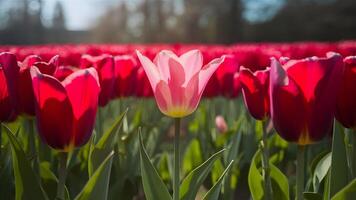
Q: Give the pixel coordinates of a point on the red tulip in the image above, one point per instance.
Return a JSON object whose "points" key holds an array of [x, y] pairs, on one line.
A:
{"points": [[125, 70], [346, 101], [63, 71], [225, 75], [145, 89], [303, 97], [105, 67], [255, 92], [8, 86], [65, 111], [26, 97]]}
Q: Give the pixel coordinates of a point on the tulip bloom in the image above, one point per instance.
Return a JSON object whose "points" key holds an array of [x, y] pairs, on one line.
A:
{"points": [[255, 91], [346, 101], [144, 89], [125, 72], [65, 111], [26, 97], [220, 124], [178, 82], [8, 86], [303, 97], [63, 71], [229, 86], [105, 67]]}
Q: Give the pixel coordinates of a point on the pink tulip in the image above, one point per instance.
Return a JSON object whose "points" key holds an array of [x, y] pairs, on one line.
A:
{"points": [[178, 82], [220, 124]]}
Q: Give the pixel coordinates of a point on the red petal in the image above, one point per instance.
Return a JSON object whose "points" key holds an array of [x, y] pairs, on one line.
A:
{"points": [[346, 105], [53, 110], [83, 90], [287, 104], [255, 92]]}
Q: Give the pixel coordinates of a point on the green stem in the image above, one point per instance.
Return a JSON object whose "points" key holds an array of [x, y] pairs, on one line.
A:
{"points": [[300, 172], [176, 160], [33, 151], [265, 164], [353, 142], [62, 173], [350, 151], [0, 138]]}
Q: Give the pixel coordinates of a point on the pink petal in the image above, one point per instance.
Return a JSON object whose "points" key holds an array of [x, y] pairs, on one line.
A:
{"points": [[192, 62], [150, 69], [207, 71]]}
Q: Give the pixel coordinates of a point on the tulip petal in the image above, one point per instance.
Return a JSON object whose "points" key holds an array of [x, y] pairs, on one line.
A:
{"points": [[192, 62], [11, 70], [287, 105], [255, 92], [162, 63], [346, 105], [150, 69], [163, 96], [207, 71], [53, 110], [83, 89]]}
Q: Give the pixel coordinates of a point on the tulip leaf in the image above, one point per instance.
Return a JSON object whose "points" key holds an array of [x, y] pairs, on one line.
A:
{"points": [[255, 179], [312, 196], [280, 184], [153, 185], [50, 181], [338, 168], [321, 170], [96, 183], [214, 192], [279, 181], [104, 145], [27, 185], [190, 185], [347, 193]]}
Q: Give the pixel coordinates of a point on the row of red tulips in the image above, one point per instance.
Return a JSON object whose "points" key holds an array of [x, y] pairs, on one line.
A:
{"points": [[310, 99], [301, 96]]}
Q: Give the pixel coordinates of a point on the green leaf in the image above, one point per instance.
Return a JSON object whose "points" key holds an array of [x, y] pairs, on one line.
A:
{"points": [[153, 185], [213, 193], [192, 156], [255, 179], [347, 193], [50, 181], [280, 184], [338, 169], [321, 171], [279, 181], [92, 189], [105, 145], [190, 185], [26, 182], [312, 196]]}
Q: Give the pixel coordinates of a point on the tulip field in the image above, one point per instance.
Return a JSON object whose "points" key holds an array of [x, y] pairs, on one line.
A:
{"points": [[274, 121]]}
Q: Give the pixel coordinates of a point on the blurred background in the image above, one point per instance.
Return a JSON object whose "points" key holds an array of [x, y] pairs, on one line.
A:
{"points": [[175, 21]]}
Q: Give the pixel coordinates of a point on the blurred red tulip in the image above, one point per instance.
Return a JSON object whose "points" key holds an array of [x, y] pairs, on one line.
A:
{"points": [[225, 75], [65, 111], [26, 96], [144, 89], [255, 87], [8, 87], [125, 72], [303, 97], [346, 101], [105, 67], [63, 71]]}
